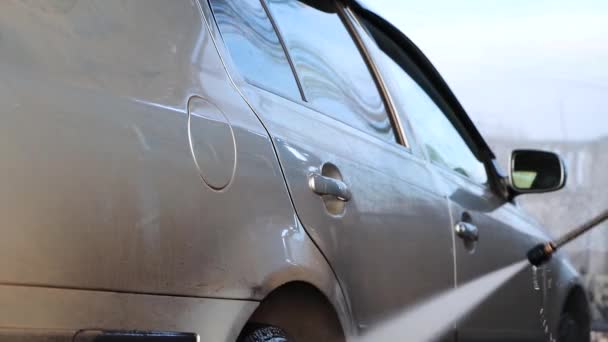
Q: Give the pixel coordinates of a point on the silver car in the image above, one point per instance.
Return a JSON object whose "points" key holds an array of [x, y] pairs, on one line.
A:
{"points": [[274, 170]]}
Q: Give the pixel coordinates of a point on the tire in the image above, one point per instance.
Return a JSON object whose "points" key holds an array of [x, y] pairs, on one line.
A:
{"points": [[571, 330], [263, 333]]}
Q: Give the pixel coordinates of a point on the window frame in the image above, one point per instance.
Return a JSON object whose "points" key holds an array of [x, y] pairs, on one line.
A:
{"points": [[350, 20], [483, 152], [429, 86]]}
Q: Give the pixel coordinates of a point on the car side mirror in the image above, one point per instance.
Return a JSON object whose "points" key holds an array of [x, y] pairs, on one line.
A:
{"points": [[536, 171]]}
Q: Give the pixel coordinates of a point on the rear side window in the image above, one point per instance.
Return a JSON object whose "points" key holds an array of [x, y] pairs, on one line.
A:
{"points": [[334, 76], [254, 46]]}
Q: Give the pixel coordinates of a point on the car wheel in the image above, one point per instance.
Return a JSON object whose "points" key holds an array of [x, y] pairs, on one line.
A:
{"points": [[571, 330], [263, 333]]}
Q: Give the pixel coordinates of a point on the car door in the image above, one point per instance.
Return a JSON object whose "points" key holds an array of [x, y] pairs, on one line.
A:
{"points": [[369, 203], [503, 235], [514, 309]]}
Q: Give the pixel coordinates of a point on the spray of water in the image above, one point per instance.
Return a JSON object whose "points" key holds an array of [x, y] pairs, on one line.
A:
{"points": [[430, 319]]}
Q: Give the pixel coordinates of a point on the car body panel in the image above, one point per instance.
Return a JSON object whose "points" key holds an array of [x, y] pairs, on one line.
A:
{"points": [[68, 311], [105, 193], [111, 224]]}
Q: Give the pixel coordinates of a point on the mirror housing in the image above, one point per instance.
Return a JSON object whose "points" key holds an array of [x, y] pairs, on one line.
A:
{"points": [[534, 171]]}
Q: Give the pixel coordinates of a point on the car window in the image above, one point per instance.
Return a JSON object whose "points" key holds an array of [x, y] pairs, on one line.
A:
{"points": [[254, 45], [433, 128], [334, 76]]}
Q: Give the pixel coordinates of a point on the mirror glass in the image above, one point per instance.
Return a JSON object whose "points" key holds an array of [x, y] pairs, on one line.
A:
{"points": [[536, 171]]}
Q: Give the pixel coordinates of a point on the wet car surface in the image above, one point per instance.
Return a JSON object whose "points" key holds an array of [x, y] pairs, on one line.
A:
{"points": [[198, 167]]}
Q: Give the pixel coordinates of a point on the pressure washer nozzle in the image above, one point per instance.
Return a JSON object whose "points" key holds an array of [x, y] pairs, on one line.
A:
{"points": [[541, 253]]}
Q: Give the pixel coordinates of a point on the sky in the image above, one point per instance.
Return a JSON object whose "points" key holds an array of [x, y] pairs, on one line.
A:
{"points": [[523, 69]]}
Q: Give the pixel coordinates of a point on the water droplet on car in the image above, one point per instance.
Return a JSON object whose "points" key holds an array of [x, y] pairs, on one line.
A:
{"points": [[535, 282]]}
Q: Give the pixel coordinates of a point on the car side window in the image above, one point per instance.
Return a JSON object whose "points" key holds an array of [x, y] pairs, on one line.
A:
{"points": [[254, 45], [333, 73], [439, 136]]}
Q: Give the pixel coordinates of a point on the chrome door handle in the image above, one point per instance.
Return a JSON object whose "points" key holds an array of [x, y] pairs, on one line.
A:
{"points": [[326, 186], [467, 231]]}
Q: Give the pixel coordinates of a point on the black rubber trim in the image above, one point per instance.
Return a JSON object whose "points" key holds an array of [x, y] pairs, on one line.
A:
{"points": [[134, 336]]}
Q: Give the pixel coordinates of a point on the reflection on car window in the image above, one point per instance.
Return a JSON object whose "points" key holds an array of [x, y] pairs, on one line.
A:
{"points": [[443, 142], [334, 75], [254, 46]]}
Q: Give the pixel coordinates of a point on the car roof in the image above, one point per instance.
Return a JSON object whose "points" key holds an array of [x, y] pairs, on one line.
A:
{"points": [[483, 151]]}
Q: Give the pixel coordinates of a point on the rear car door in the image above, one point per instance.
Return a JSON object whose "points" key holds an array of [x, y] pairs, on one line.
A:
{"points": [[369, 203], [512, 312]]}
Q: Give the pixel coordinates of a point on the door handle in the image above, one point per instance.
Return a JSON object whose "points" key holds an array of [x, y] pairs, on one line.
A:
{"points": [[467, 231], [326, 186]]}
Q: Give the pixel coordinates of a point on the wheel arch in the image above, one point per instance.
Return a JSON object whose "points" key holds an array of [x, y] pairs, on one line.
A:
{"points": [[577, 303], [304, 311], [565, 289]]}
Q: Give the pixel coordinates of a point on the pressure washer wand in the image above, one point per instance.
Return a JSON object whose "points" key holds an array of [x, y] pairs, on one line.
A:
{"points": [[542, 253]]}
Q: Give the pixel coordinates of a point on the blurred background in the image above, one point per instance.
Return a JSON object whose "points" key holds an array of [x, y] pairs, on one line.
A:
{"points": [[531, 74]]}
